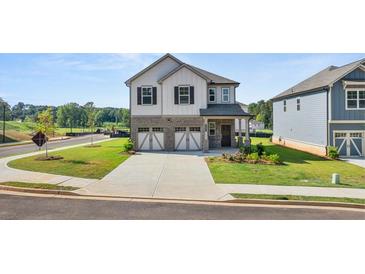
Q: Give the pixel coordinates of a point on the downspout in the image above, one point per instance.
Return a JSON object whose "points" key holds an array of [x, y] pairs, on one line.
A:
{"points": [[329, 114]]}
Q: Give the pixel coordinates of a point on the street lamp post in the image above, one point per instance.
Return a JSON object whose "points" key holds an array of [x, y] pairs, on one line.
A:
{"points": [[4, 124]]}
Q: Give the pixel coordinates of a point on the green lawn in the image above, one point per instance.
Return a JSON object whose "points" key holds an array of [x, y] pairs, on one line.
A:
{"points": [[38, 186], [298, 198], [85, 162], [299, 168]]}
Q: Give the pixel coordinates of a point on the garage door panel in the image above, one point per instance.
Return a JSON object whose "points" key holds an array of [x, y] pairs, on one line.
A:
{"points": [[341, 146], [143, 141], [356, 147], [195, 140], [157, 141], [180, 141]]}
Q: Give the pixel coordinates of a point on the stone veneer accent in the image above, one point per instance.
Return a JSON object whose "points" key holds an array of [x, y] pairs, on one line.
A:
{"points": [[313, 149], [168, 123], [215, 141]]}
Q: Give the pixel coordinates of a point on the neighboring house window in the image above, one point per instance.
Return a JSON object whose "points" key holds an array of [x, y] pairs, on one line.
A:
{"points": [[184, 95], [284, 104], [212, 129], [146, 95], [355, 99], [225, 95], [298, 104], [211, 92]]}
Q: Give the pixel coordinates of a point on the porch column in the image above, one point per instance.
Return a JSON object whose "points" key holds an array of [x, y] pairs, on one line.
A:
{"points": [[205, 138], [247, 135], [239, 132]]}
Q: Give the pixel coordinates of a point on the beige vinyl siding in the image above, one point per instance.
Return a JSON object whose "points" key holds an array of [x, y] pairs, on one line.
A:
{"points": [[219, 94], [150, 78], [184, 77]]}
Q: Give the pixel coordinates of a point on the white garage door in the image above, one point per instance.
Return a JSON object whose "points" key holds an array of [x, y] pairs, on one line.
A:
{"points": [[187, 138], [151, 138], [350, 143]]}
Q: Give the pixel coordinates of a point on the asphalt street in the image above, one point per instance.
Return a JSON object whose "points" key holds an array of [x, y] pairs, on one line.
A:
{"points": [[49, 208], [22, 149]]}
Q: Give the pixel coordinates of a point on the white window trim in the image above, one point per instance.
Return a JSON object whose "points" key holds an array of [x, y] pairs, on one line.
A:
{"points": [[229, 91], [184, 86], [357, 100], [215, 95], [300, 103], [150, 87], [215, 128]]}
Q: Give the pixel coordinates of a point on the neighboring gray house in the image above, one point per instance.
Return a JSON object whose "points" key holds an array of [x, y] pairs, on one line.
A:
{"points": [[176, 106], [327, 109]]}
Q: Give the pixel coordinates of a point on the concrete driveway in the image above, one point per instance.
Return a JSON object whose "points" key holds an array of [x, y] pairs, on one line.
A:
{"points": [[359, 161], [161, 175]]}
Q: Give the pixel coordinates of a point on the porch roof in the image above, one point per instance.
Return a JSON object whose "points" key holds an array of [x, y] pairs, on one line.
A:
{"points": [[223, 110]]}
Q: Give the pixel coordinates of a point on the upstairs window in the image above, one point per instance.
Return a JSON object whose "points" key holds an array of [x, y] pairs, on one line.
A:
{"points": [[298, 104], [225, 95], [284, 105], [146, 95], [184, 95], [355, 99], [211, 95]]}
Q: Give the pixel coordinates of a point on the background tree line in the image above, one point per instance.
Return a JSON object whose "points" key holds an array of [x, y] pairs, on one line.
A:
{"points": [[263, 111], [71, 115]]}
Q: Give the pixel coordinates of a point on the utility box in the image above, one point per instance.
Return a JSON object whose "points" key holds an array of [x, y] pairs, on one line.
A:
{"points": [[335, 178]]}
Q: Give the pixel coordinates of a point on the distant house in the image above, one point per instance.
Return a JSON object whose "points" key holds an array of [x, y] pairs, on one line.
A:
{"points": [[327, 109], [177, 106]]}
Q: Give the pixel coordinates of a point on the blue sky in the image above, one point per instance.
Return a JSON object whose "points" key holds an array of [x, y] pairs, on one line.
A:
{"points": [[55, 79]]}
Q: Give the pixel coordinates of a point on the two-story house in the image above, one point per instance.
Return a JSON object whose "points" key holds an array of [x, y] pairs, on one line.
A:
{"points": [[176, 106], [327, 109]]}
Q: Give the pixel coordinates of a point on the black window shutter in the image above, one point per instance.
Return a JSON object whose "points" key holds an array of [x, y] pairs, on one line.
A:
{"points": [[154, 95], [139, 96], [176, 95], [191, 95]]}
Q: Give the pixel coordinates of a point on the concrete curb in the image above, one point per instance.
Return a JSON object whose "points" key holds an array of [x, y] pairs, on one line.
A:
{"points": [[38, 190], [236, 201]]}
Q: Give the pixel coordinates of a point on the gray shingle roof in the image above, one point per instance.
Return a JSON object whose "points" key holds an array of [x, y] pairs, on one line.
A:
{"points": [[223, 110], [209, 76], [321, 79]]}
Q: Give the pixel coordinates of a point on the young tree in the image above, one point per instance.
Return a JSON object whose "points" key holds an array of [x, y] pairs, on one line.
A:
{"points": [[45, 124], [91, 118]]}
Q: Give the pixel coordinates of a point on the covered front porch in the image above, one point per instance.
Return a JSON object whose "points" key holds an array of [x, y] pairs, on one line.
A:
{"points": [[219, 126]]}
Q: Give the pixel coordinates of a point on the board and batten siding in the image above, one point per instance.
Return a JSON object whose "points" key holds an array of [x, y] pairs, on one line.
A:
{"points": [[218, 94], [150, 78], [338, 98], [184, 76], [309, 125]]}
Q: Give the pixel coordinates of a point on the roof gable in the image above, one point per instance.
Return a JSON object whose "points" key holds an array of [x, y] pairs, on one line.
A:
{"points": [[178, 69], [322, 79], [153, 65]]}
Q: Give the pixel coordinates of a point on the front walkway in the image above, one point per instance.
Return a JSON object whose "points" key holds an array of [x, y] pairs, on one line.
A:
{"points": [[295, 190], [160, 175]]}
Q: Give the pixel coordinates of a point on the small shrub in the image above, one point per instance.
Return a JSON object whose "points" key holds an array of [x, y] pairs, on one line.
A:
{"points": [[274, 158], [253, 157], [332, 152], [128, 146], [260, 149], [245, 149]]}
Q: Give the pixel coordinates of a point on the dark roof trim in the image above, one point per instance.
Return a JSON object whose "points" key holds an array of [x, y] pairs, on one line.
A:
{"points": [[179, 68], [324, 88], [168, 55]]}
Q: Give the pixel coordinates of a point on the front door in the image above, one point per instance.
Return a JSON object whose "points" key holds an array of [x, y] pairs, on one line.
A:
{"points": [[226, 135]]}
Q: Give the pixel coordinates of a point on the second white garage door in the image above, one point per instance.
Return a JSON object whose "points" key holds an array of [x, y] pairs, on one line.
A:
{"points": [[187, 138]]}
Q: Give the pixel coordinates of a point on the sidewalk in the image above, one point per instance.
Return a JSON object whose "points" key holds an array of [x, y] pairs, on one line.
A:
{"points": [[8, 174], [294, 190]]}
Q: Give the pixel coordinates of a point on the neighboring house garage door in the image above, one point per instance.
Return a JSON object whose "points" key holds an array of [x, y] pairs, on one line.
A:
{"points": [[187, 138], [151, 138], [350, 143]]}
